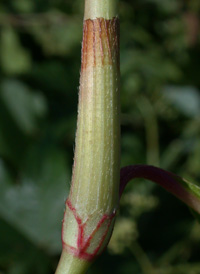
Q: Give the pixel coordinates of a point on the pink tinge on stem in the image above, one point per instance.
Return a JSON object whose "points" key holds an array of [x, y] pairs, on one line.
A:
{"points": [[167, 180], [100, 42], [84, 241]]}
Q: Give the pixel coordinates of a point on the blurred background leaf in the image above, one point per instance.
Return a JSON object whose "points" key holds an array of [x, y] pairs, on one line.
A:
{"points": [[40, 50], [14, 58], [186, 99], [23, 105]]}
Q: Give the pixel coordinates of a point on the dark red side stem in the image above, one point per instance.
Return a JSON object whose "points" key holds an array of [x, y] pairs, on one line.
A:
{"points": [[167, 180]]}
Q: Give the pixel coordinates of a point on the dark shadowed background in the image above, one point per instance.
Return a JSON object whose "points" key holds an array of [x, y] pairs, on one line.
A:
{"points": [[40, 45]]}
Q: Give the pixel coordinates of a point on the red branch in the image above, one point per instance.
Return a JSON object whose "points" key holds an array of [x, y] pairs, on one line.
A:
{"points": [[167, 180]]}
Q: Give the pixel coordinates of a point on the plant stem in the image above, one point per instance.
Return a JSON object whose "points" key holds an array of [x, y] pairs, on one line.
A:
{"points": [[179, 187], [106, 9], [69, 264], [94, 194]]}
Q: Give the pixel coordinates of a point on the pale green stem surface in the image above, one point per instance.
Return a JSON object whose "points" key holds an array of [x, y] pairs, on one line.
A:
{"points": [[69, 264], [106, 9], [96, 171]]}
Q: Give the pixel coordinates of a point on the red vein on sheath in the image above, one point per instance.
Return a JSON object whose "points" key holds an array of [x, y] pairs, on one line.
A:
{"points": [[82, 243]]}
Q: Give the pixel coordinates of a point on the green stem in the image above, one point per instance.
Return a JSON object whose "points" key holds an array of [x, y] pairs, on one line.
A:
{"points": [[94, 194], [68, 264], [106, 9]]}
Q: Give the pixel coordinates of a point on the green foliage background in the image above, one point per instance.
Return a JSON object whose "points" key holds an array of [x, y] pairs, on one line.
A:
{"points": [[40, 45]]}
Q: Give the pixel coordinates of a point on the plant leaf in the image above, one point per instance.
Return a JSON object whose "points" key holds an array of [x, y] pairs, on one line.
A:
{"points": [[35, 205]]}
